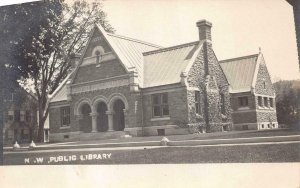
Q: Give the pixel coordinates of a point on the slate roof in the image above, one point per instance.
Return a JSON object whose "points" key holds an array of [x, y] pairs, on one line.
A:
{"points": [[240, 72], [130, 51], [164, 66]]}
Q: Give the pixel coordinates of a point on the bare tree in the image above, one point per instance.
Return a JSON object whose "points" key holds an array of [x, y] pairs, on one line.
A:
{"points": [[48, 55]]}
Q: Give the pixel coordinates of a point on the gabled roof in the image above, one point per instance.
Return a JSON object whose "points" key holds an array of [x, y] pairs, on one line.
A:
{"points": [[164, 66], [130, 52], [241, 72]]}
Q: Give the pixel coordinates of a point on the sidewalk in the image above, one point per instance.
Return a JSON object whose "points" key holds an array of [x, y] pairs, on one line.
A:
{"points": [[174, 140]]}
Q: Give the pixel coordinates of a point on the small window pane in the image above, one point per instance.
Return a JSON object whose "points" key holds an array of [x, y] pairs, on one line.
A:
{"points": [[156, 111], [165, 98], [155, 99], [165, 110]]}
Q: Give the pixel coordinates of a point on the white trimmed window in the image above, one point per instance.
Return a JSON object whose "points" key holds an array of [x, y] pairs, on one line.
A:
{"points": [[65, 115], [160, 107]]}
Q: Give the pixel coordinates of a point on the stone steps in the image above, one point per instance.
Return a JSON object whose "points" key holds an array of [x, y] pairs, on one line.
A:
{"points": [[101, 135]]}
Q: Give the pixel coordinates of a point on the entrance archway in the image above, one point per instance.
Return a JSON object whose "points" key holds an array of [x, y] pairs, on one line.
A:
{"points": [[86, 120], [102, 120], [118, 117]]}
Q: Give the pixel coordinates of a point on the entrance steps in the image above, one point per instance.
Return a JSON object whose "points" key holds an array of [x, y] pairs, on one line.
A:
{"points": [[101, 135]]}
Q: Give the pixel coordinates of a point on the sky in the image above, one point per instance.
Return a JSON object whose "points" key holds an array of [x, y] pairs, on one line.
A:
{"points": [[240, 27]]}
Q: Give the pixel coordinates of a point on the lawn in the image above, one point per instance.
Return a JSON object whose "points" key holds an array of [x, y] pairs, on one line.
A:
{"points": [[167, 155]]}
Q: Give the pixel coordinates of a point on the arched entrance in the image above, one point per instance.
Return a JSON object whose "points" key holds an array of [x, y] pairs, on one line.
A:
{"points": [[102, 120], [86, 120], [118, 117]]}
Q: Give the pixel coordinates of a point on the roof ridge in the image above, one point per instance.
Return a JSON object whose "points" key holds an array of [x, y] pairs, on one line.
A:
{"points": [[134, 40], [238, 58], [170, 48]]}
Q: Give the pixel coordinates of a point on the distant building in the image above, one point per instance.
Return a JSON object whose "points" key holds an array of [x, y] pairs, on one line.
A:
{"points": [[125, 86], [296, 10], [20, 115]]}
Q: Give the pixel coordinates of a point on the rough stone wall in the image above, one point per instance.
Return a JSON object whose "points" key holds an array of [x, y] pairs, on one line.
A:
{"points": [[264, 76], [196, 75], [106, 70], [177, 101], [266, 116], [213, 85], [195, 119]]}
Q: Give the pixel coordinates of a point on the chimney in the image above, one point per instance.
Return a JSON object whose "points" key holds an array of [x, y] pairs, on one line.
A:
{"points": [[204, 28]]}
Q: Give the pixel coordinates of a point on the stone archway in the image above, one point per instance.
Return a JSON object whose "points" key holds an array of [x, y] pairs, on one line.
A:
{"points": [[86, 119], [102, 119], [118, 115]]}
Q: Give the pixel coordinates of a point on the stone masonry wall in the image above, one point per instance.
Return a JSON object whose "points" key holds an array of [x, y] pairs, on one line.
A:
{"points": [[213, 85], [263, 76], [265, 113], [132, 117], [266, 116], [106, 70], [177, 101]]}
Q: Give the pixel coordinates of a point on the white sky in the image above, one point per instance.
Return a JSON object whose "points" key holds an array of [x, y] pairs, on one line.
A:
{"points": [[240, 27]]}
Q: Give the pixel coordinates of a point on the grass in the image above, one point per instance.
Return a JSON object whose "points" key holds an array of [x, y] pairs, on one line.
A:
{"points": [[171, 155]]}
